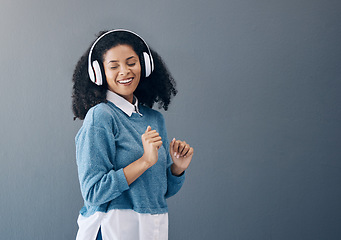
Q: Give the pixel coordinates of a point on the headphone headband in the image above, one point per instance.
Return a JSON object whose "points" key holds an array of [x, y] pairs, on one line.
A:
{"points": [[94, 69]]}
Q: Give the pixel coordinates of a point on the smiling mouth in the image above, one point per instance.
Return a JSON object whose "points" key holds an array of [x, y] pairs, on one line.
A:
{"points": [[125, 81]]}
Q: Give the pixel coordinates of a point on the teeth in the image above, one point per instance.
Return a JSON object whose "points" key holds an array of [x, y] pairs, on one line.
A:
{"points": [[126, 81]]}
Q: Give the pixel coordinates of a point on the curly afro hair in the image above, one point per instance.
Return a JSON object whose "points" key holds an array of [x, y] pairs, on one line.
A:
{"points": [[159, 87]]}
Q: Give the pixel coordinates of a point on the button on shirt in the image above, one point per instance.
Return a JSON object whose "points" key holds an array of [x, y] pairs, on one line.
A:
{"points": [[123, 224]]}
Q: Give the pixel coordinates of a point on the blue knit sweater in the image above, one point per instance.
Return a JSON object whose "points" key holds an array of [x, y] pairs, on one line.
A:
{"points": [[108, 141]]}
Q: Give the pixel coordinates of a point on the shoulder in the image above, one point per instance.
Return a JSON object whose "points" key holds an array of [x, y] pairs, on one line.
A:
{"points": [[100, 115], [99, 121]]}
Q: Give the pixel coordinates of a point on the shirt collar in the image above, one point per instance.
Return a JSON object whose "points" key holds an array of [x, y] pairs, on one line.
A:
{"points": [[123, 104]]}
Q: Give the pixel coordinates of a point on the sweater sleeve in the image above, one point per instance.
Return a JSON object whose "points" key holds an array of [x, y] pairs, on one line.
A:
{"points": [[95, 154], [174, 183]]}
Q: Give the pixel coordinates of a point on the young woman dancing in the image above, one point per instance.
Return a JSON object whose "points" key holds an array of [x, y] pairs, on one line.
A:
{"points": [[126, 166]]}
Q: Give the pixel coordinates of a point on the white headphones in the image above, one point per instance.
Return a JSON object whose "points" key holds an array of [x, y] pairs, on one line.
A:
{"points": [[94, 69]]}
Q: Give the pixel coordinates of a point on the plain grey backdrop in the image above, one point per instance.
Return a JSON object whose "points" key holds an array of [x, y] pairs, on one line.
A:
{"points": [[259, 99]]}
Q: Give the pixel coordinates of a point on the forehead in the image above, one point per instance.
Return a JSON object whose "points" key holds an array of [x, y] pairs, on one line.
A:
{"points": [[120, 52]]}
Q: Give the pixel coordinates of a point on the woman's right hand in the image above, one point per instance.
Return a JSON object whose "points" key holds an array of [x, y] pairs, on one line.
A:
{"points": [[151, 141]]}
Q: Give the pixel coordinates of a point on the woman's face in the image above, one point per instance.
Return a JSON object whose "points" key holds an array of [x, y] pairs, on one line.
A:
{"points": [[122, 70]]}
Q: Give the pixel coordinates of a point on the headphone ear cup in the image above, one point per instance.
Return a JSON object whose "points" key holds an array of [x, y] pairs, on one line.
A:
{"points": [[142, 64], [147, 64], [98, 73]]}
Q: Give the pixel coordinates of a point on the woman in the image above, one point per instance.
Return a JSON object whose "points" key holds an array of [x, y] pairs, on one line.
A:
{"points": [[126, 167]]}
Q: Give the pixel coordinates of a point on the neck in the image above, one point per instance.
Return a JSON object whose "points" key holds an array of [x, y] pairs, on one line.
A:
{"points": [[129, 98]]}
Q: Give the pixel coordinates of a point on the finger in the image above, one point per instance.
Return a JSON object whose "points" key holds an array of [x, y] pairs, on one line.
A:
{"points": [[171, 145], [176, 147], [157, 144], [179, 148], [151, 134], [148, 129], [182, 147], [155, 139], [190, 152], [185, 151]]}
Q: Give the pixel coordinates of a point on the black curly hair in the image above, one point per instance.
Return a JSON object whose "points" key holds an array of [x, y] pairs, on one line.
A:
{"points": [[159, 87]]}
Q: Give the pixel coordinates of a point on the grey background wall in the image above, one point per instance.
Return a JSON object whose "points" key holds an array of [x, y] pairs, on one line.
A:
{"points": [[259, 99]]}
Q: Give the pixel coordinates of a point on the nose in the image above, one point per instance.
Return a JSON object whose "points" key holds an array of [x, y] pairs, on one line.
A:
{"points": [[124, 70]]}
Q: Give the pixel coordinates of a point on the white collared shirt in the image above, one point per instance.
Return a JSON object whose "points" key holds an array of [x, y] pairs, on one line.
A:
{"points": [[123, 104], [123, 224]]}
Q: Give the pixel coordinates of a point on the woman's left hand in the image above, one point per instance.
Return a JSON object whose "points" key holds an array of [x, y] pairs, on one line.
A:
{"points": [[181, 154]]}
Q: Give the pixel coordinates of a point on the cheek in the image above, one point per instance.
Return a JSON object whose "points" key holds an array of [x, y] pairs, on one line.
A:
{"points": [[137, 71], [110, 75]]}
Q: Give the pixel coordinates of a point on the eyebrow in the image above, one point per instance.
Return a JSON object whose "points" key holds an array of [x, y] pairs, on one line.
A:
{"points": [[114, 61]]}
